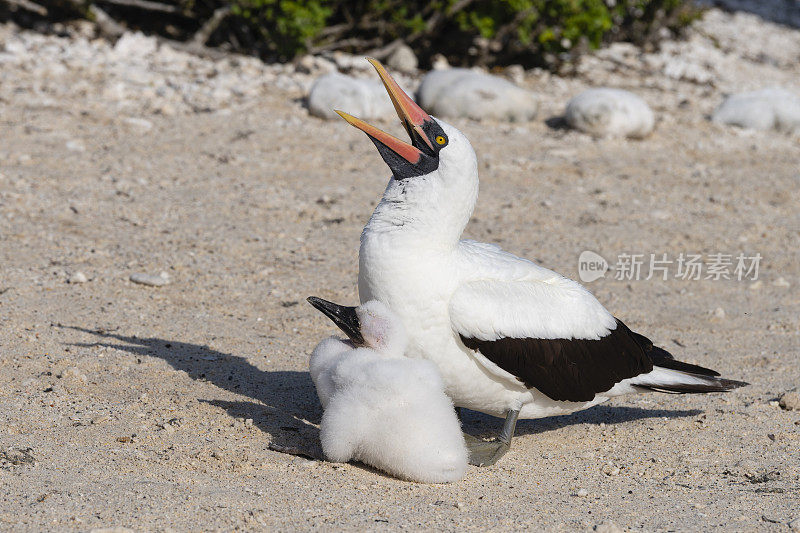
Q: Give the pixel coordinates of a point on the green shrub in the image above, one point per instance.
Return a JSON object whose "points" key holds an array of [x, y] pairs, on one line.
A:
{"points": [[467, 32], [532, 32]]}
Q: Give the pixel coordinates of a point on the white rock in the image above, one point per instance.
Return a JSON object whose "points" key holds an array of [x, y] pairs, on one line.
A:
{"points": [[402, 59], [719, 312], [515, 73], [607, 527], [766, 109], [78, 277], [459, 92], [149, 279], [75, 146], [135, 45], [138, 124], [366, 99], [790, 401], [608, 112]]}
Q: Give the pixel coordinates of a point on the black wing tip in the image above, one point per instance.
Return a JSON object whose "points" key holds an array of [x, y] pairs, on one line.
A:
{"points": [[689, 368]]}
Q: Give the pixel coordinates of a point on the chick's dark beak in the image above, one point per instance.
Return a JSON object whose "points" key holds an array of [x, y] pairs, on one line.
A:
{"points": [[343, 316]]}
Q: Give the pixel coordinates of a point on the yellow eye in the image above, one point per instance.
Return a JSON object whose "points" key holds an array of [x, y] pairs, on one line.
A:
{"points": [[440, 139]]}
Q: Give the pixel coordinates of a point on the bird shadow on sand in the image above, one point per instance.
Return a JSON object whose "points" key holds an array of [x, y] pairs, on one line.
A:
{"points": [[285, 406], [285, 403], [485, 425]]}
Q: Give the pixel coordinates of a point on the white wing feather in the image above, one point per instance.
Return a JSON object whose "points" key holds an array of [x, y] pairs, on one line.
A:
{"points": [[513, 297]]}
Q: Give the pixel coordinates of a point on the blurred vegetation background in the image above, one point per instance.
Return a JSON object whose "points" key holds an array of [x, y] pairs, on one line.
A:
{"points": [[546, 33]]}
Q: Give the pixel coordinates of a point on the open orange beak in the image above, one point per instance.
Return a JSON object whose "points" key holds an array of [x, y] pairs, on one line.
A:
{"points": [[406, 160]]}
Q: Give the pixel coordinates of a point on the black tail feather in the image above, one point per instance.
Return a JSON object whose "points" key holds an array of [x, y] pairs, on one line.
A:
{"points": [[662, 358], [711, 385]]}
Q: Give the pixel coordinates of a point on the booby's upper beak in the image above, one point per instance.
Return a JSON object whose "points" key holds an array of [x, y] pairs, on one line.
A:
{"points": [[406, 160], [343, 316]]}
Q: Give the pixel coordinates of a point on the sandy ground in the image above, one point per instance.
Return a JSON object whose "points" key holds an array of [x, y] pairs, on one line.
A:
{"points": [[154, 408]]}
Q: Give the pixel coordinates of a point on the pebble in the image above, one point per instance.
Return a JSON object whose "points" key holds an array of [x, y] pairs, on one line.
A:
{"points": [[582, 493], [365, 99], [767, 109], [607, 527], [149, 279], [756, 285], [113, 529], [790, 401], [73, 374], [77, 277], [306, 463], [605, 112], [402, 59], [459, 92], [140, 125], [719, 312], [610, 470], [75, 146], [781, 282]]}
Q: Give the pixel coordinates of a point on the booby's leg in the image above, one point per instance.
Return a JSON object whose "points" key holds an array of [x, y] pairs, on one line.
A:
{"points": [[483, 453]]}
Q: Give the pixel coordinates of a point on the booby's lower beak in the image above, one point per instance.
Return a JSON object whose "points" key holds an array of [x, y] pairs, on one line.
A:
{"points": [[344, 317], [404, 160]]}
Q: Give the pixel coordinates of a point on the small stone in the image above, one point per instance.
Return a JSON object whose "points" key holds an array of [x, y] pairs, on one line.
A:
{"points": [[439, 62], [73, 374], [402, 59], [610, 470], [365, 99], [248, 422], [719, 312], [459, 92], [77, 277], [515, 73], [75, 146], [582, 493], [605, 112], [16, 457], [756, 285], [607, 527], [790, 401], [138, 124], [100, 419], [116, 529], [746, 468], [767, 109], [306, 463], [149, 279], [781, 282]]}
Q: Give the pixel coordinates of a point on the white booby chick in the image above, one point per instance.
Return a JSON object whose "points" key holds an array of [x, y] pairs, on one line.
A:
{"points": [[382, 408], [510, 338]]}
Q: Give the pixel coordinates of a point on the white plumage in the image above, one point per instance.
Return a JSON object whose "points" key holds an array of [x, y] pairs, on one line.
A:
{"points": [[441, 287], [510, 338], [384, 409]]}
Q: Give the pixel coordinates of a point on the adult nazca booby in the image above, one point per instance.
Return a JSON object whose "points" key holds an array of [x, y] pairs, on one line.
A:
{"points": [[511, 338]]}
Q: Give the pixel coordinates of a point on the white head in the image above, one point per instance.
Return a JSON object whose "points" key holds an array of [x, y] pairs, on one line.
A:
{"points": [[371, 324], [434, 182]]}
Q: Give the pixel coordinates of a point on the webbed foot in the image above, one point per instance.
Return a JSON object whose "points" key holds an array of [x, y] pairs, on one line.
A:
{"points": [[484, 453]]}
